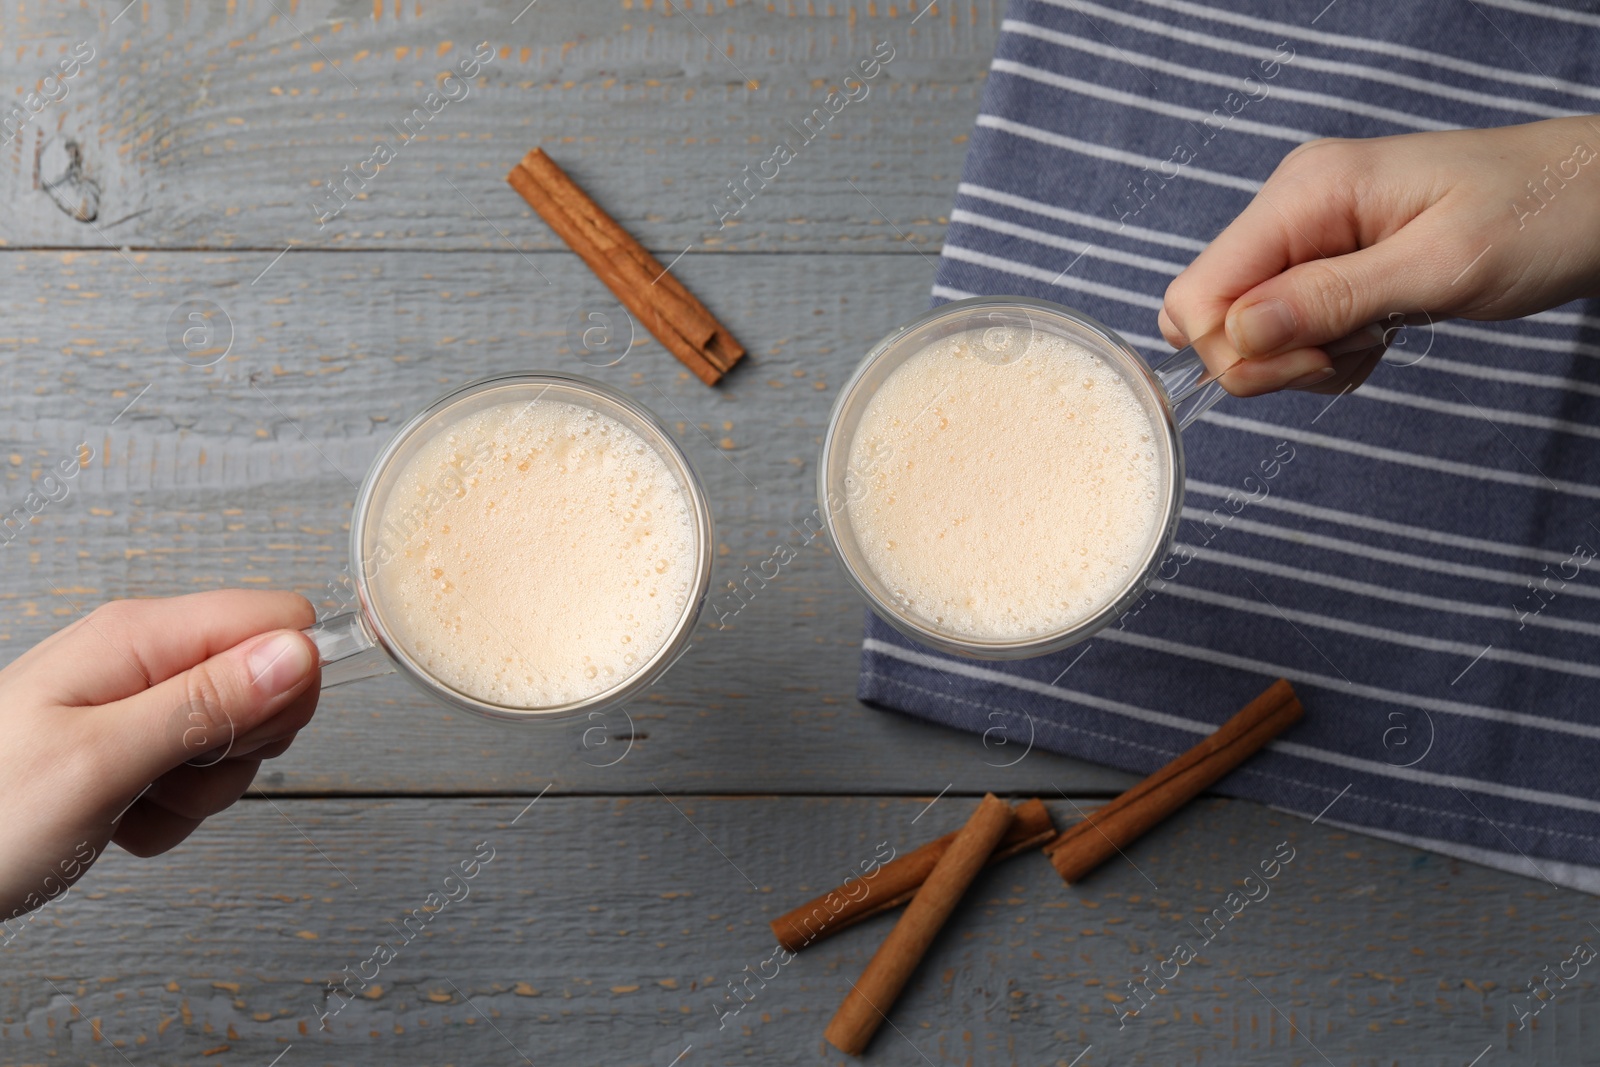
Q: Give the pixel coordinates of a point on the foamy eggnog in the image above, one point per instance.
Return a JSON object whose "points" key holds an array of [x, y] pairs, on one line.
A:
{"points": [[1004, 486], [534, 554]]}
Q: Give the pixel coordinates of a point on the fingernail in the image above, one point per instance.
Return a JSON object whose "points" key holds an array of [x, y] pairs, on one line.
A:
{"points": [[1262, 328], [1311, 379], [279, 663]]}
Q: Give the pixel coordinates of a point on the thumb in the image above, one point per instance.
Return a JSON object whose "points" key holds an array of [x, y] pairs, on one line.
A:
{"points": [[1323, 300], [204, 710]]}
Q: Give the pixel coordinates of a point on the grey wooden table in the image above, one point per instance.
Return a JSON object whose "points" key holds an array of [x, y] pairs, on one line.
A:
{"points": [[177, 173]]}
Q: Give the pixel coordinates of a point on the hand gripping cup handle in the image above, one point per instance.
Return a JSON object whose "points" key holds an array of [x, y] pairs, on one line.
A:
{"points": [[348, 650], [1193, 390]]}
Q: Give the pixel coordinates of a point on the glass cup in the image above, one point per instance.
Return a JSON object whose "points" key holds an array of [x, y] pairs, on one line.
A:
{"points": [[1173, 393], [359, 643]]}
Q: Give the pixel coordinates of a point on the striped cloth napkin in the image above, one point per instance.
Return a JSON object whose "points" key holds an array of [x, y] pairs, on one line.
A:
{"points": [[1416, 556]]}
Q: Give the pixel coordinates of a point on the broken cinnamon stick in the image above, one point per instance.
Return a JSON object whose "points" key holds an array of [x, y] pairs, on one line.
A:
{"points": [[897, 881], [1104, 833], [869, 1000], [668, 310]]}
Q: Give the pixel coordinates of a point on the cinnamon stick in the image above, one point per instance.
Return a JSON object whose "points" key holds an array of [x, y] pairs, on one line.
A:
{"points": [[668, 310], [584, 224], [1083, 846], [897, 881], [869, 999]]}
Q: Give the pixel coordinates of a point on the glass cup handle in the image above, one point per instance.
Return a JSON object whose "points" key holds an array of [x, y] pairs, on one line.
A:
{"points": [[347, 650], [1193, 390]]}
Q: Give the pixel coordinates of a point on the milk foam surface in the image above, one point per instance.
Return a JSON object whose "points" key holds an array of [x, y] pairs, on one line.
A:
{"points": [[1003, 487], [541, 553]]}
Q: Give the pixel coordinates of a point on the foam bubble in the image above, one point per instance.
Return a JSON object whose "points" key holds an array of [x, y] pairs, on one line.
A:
{"points": [[542, 553], [1007, 500]]}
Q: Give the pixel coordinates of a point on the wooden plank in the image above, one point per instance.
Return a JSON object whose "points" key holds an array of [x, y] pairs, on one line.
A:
{"points": [[244, 473], [607, 930], [199, 125]]}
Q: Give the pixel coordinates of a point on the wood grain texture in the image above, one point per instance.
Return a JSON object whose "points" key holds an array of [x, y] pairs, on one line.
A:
{"points": [[202, 125], [244, 473], [607, 930], [607, 927]]}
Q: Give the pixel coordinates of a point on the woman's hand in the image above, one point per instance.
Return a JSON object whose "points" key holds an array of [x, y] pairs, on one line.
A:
{"points": [[138, 721], [1479, 224]]}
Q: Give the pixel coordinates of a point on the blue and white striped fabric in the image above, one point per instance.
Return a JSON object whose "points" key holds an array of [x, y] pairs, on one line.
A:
{"points": [[1417, 561]]}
